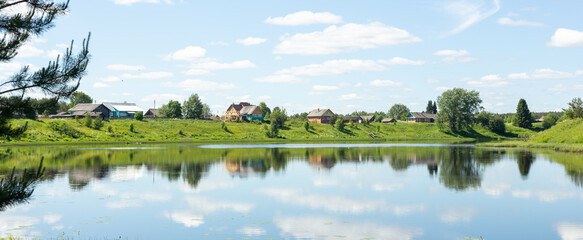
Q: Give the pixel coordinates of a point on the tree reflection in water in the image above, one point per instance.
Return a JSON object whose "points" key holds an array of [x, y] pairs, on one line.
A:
{"points": [[525, 160], [17, 187]]}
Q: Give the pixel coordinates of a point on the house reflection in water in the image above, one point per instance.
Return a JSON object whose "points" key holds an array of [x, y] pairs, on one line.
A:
{"points": [[321, 162], [428, 160], [245, 168]]}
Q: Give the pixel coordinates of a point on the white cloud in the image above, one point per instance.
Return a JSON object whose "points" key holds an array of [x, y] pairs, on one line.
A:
{"points": [[244, 98], [124, 67], [188, 219], [126, 173], [130, 2], [348, 37], [545, 73], [560, 88], [10, 66], [401, 61], [323, 227], [163, 98], [457, 214], [509, 22], [52, 218], [489, 81], [54, 53], [148, 75], [566, 38], [251, 231], [251, 41], [29, 51], [205, 67], [333, 67], [353, 96], [111, 79], [100, 85], [134, 199], [190, 53], [280, 78], [305, 18], [451, 56], [570, 231], [385, 83], [11, 226], [196, 85], [325, 87], [470, 12]]}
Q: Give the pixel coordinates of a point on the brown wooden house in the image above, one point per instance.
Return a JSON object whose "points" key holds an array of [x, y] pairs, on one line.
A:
{"points": [[320, 115], [421, 117], [234, 111]]}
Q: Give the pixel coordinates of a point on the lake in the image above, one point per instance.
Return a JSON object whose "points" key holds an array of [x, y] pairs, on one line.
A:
{"points": [[296, 191]]}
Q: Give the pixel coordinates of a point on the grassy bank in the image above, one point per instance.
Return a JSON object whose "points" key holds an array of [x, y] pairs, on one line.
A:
{"points": [[565, 136], [60, 131]]}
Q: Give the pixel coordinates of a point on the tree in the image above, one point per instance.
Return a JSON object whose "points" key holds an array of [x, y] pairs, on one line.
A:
{"points": [[431, 107], [79, 97], [193, 107], [60, 78], [264, 108], [523, 118], [550, 120], [171, 110], [206, 110], [98, 123], [278, 118], [340, 124], [88, 120], [575, 109], [307, 126], [398, 110], [139, 116], [457, 108]]}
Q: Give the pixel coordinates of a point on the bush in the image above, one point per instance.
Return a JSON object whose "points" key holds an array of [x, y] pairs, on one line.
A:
{"points": [[333, 119], [139, 116], [132, 127], [88, 120], [224, 126], [109, 129], [98, 123], [550, 120], [64, 129], [46, 113], [307, 126], [496, 124], [339, 124], [272, 132]]}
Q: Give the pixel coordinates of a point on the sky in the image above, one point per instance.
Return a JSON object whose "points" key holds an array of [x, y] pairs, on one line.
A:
{"points": [[344, 55]]}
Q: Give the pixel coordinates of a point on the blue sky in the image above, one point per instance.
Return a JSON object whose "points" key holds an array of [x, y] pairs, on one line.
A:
{"points": [[343, 55]]}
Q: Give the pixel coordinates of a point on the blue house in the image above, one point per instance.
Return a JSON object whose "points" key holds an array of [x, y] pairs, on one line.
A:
{"points": [[122, 110]]}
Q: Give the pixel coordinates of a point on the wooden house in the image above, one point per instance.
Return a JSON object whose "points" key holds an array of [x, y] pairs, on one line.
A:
{"points": [[320, 115], [151, 113], [251, 113], [94, 110], [388, 120], [234, 111], [354, 119], [122, 110], [420, 117], [368, 119]]}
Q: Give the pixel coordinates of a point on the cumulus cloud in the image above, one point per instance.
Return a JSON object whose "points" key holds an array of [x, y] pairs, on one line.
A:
{"points": [[333, 67], [196, 85], [385, 83], [100, 85], [281, 78], [545, 73], [510, 22], [489, 81], [305, 18], [203, 68], [251, 41], [325, 87], [401, 61], [561, 88], [124, 67], [29, 51], [566, 38], [570, 231], [451, 56], [347, 37], [469, 13], [190, 53], [148, 75]]}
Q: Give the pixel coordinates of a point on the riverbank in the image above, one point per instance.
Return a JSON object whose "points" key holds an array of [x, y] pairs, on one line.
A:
{"points": [[566, 136], [58, 131]]}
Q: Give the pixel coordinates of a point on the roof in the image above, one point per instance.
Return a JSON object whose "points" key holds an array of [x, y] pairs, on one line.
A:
{"points": [[318, 112], [368, 118], [239, 106], [247, 110], [153, 111], [88, 107], [82, 113], [388, 120], [422, 115], [124, 107], [353, 118]]}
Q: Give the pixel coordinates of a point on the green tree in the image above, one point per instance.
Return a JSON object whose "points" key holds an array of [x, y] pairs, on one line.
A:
{"points": [[98, 123], [46, 113], [496, 124], [398, 110], [171, 110], [340, 124], [88, 120], [550, 120], [278, 118], [307, 126], [523, 118], [264, 109], [457, 108], [206, 110], [193, 107], [139, 116], [575, 109], [21, 21], [431, 107], [79, 97]]}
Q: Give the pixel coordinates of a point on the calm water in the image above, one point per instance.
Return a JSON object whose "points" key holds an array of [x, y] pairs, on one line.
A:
{"points": [[360, 191]]}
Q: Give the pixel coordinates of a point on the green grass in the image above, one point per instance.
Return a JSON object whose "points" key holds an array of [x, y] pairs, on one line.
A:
{"points": [[61, 131], [565, 136]]}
